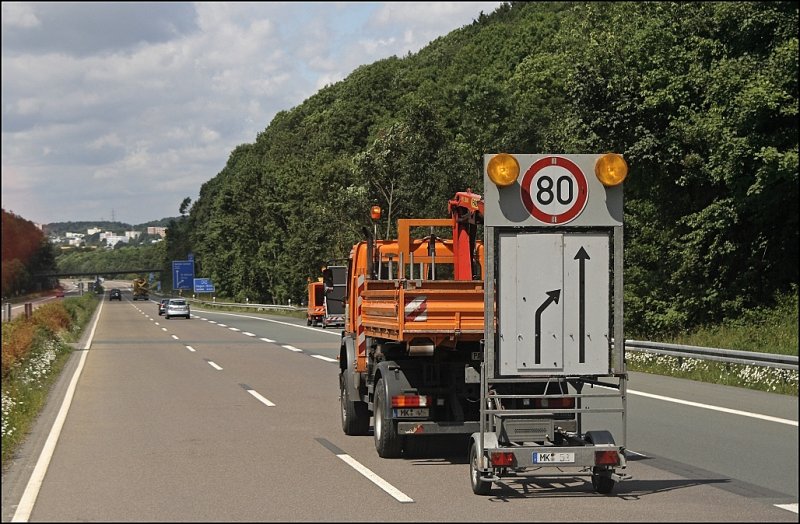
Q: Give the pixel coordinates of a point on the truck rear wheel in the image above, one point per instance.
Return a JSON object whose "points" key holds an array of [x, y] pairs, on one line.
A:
{"points": [[355, 414], [388, 443]]}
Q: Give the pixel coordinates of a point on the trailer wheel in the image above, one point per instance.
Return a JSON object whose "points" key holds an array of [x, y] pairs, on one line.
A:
{"points": [[602, 481], [355, 414], [388, 443], [308, 321], [479, 486]]}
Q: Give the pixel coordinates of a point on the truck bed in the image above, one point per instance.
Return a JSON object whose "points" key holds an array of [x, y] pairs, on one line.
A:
{"points": [[402, 310]]}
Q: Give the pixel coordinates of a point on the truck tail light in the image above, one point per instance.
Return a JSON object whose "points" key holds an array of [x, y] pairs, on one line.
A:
{"points": [[501, 458], [411, 401], [606, 458]]}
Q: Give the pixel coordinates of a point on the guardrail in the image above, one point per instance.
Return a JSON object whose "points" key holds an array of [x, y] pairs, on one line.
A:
{"points": [[731, 356], [257, 307]]}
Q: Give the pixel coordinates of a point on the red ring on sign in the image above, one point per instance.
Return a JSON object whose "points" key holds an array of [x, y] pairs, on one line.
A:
{"points": [[580, 199]]}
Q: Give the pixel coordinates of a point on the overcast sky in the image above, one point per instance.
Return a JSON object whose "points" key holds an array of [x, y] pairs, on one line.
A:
{"points": [[122, 110]]}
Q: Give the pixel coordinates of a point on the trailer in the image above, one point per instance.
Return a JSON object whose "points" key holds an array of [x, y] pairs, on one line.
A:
{"points": [[553, 376]]}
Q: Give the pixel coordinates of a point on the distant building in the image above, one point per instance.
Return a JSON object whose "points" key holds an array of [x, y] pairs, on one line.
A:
{"points": [[160, 231], [133, 234], [93, 230]]}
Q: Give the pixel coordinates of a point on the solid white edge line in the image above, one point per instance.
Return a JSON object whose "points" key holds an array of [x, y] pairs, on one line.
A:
{"points": [[326, 359], [292, 348], [375, 479], [715, 408], [788, 507], [214, 365], [260, 398], [25, 506]]}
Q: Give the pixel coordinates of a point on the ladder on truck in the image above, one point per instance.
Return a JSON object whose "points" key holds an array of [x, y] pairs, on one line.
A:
{"points": [[553, 380]]}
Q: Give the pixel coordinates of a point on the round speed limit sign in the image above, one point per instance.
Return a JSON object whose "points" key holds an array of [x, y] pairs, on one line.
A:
{"points": [[554, 190]]}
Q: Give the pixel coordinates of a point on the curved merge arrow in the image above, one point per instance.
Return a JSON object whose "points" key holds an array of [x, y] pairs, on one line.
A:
{"points": [[582, 257], [552, 296]]}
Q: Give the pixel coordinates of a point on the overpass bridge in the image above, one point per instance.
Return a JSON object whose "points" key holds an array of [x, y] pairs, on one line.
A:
{"points": [[67, 274]]}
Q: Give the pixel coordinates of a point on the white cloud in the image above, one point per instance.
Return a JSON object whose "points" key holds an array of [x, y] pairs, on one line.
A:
{"points": [[16, 14], [102, 100]]}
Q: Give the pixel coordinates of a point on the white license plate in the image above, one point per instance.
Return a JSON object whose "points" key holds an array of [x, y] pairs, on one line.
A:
{"points": [[553, 458], [411, 412]]}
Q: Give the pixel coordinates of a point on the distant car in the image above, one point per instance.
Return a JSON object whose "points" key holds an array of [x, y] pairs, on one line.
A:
{"points": [[59, 293], [177, 307], [115, 294], [162, 306]]}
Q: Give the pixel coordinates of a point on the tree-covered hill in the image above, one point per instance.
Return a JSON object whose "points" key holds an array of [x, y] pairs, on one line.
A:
{"points": [[701, 98]]}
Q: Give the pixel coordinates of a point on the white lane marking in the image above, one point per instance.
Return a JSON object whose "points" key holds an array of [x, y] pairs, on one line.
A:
{"points": [[211, 322], [788, 507], [260, 398], [248, 333], [326, 359], [222, 325], [630, 451], [190, 348], [214, 365], [234, 329], [163, 329], [31, 492], [175, 337], [715, 408], [202, 318], [375, 479], [318, 330], [292, 348], [268, 340], [157, 324]]}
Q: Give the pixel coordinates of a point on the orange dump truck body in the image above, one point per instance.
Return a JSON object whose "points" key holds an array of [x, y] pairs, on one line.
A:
{"points": [[423, 309]]}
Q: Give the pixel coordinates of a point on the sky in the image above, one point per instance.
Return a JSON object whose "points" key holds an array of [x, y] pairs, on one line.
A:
{"points": [[121, 110]]}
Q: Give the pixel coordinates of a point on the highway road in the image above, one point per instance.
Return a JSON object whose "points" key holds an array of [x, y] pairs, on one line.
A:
{"points": [[235, 417]]}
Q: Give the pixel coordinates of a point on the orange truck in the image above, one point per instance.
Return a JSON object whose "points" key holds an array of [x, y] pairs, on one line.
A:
{"points": [[411, 347], [316, 303], [515, 341]]}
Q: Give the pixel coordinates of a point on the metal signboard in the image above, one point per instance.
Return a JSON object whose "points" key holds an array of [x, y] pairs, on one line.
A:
{"points": [[554, 239], [182, 274], [203, 285]]}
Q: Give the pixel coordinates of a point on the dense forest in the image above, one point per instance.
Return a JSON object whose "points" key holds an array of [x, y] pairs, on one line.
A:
{"points": [[25, 252], [701, 98]]}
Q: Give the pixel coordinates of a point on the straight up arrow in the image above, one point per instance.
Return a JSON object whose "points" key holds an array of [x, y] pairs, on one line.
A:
{"points": [[582, 257]]}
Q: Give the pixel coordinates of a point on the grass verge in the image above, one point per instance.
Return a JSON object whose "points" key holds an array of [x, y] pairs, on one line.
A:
{"points": [[765, 330], [35, 351]]}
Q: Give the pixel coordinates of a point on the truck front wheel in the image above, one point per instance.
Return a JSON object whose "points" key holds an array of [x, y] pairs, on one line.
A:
{"points": [[388, 443], [355, 414]]}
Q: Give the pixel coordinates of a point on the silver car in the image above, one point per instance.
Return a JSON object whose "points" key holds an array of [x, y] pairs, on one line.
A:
{"points": [[177, 307]]}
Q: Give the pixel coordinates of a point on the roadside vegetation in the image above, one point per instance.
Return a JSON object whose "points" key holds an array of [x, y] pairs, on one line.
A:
{"points": [[764, 330], [34, 352]]}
